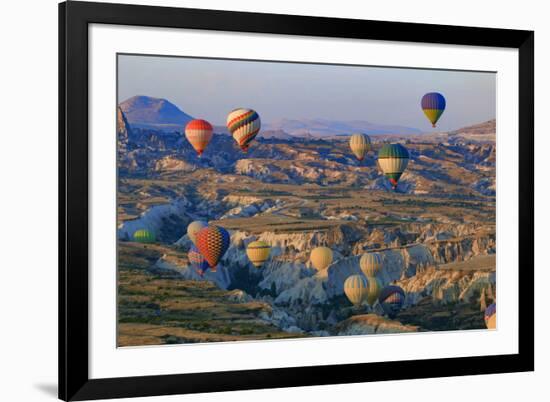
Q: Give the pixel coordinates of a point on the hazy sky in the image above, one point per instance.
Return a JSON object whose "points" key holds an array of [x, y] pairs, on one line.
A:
{"points": [[209, 89]]}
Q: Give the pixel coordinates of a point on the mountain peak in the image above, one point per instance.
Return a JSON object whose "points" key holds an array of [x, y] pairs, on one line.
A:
{"points": [[155, 111]]}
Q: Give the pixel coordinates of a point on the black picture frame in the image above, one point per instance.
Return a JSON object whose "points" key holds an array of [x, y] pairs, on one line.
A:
{"points": [[74, 18]]}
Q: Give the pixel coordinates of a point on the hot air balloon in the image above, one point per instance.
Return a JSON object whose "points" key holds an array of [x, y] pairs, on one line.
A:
{"points": [[197, 260], [433, 105], [373, 291], [393, 160], [199, 134], [490, 316], [391, 299], [244, 125], [144, 236], [371, 264], [359, 144], [356, 289], [212, 242], [193, 228], [258, 252], [321, 257]]}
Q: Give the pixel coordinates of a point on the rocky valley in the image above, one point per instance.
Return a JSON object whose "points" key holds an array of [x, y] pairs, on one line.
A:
{"points": [[435, 233]]}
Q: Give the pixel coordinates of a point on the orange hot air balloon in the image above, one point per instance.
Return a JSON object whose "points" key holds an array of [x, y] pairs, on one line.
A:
{"points": [[199, 134], [212, 243]]}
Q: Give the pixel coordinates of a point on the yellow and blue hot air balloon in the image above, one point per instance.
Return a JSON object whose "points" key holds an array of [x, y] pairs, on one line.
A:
{"points": [[258, 252], [244, 125], [198, 133], [393, 160], [144, 236], [391, 299], [490, 316], [359, 144], [433, 105], [371, 264], [356, 288], [321, 257]]}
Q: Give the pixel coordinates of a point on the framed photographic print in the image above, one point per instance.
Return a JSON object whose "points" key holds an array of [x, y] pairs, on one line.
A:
{"points": [[257, 200]]}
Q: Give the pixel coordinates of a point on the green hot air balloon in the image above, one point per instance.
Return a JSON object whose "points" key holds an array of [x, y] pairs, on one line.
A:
{"points": [[371, 264], [393, 160], [143, 236]]}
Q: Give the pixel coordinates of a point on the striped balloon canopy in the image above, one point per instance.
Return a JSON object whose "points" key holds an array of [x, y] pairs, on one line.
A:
{"points": [[258, 252], [198, 133], [197, 260], [356, 288], [433, 105], [144, 236], [391, 299], [212, 243], [393, 160], [244, 125], [193, 228], [321, 257], [490, 316], [373, 290], [359, 144], [371, 264]]}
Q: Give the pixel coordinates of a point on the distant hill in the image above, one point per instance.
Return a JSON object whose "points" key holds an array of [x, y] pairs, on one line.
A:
{"points": [[482, 132], [487, 127], [277, 134], [154, 112], [325, 127]]}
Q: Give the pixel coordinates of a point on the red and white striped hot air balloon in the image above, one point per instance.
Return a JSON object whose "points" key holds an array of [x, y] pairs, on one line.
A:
{"points": [[244, 125], [198, 133]]}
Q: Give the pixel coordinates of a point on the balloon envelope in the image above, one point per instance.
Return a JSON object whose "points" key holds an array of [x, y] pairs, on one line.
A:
{"points": [[359, 144], [244, 125], [197, 260], [433, 105], [373, 290], [212, 242], [258, 252], [393, 160], [490, 316], [356, 289], [371, 264], [321, 257], [193, 228], [144, 236], [199, 134], [391, 299]]}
